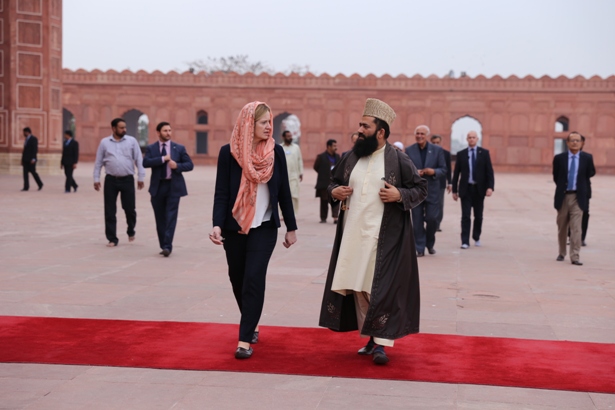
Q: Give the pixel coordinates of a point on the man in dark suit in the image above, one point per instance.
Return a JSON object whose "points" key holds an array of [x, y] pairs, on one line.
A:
{"points": [[168, 161], [571, 173], [473, 179], [429, 160], [445, 181], [323, 165], [70, 157], [28, 160]]}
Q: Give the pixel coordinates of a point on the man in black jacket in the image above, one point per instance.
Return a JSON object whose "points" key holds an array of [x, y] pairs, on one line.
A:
{"points": [[445, 180], [28, 160], [323, 165], [472, 180], [571, 173], [70, 157]]}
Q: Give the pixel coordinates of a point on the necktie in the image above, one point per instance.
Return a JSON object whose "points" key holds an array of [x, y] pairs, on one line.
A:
{"points": [[474, 164], [571, 172], [166, 168]]}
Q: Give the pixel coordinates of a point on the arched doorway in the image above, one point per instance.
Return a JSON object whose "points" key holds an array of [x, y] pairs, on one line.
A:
{"points": [[459, 132], [68, 121], [137, 125], [286, 122]]}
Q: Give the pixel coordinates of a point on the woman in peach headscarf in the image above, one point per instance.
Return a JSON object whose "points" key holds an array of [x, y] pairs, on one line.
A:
{"points": [[251, 182]]}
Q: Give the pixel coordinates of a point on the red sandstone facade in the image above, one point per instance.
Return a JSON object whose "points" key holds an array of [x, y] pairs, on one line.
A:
{"points": [[517, 115]]}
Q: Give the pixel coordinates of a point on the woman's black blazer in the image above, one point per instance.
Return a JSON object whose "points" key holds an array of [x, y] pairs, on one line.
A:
{"points": [[228, 179]]}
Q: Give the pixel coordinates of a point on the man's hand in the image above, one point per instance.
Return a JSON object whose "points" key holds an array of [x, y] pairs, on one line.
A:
{"points": [[449, 188], [166, 158], [429, 171], [61, 166], [301, 178], [455, 196], [140, 185], [489, 192], [97, 186], [341, 193], [289, 239], [172, 164], [389, 193], [74, 166], [33, 161]]}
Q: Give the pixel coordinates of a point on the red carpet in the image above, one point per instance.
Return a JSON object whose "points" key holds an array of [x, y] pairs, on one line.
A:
{"points": [[588, 367]]}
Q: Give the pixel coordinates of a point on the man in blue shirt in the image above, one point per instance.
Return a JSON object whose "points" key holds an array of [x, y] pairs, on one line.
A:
{"points": [[571, 173]]}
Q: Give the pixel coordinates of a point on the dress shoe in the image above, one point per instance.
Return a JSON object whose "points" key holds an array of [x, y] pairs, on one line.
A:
{"points": [[368, 348], [166, 253], [431, 251], [560, 258], [323, 222], [23, 190], [465, 246], [40, 187], [76, 189], [583, 243], [477, 243], [67, 191], [438, 230], [578, 263], [254, 338], [242, 353], [380, 357], [419, 254]]}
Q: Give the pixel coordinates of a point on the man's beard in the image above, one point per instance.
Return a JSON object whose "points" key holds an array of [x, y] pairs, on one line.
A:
{"points": [[365, 146]]}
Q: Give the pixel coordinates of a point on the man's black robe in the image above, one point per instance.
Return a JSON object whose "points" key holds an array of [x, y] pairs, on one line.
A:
{"points": [[394, 308]]}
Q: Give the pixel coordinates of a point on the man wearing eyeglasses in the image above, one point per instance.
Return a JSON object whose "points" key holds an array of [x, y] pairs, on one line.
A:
{"points": [[571, 173]]}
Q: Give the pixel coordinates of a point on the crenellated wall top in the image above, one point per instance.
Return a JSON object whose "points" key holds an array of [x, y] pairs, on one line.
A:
{"points": [[340, 81]]}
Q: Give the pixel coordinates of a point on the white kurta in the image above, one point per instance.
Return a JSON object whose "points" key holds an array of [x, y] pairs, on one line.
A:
{"points": [[294, 163], [357, 257]]}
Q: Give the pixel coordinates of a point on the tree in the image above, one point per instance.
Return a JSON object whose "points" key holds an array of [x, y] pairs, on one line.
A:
{"points": [[240, 64]]}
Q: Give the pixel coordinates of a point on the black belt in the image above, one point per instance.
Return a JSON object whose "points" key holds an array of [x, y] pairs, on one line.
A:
{"points": [[571, 192], [119, 177], [165, 180]]}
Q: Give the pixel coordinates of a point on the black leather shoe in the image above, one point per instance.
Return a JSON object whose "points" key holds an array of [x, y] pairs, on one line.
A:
{"points": [[23, 190], [254, 338], [583, 243], [40, 187], [431, 251], [419, 254], [368, 348], [578, 263], [380, 357], [559, 258], [242, 353], [166, 253]]}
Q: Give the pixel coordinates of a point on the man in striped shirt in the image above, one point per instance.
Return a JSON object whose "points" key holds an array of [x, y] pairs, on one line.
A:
{"points": [[119, 154]]}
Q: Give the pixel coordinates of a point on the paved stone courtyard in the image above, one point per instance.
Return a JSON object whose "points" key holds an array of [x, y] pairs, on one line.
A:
{"points": [[55, 263]]}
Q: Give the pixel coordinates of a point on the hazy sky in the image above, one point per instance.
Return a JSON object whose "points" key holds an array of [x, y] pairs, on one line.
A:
{"points": [[489, 37]]}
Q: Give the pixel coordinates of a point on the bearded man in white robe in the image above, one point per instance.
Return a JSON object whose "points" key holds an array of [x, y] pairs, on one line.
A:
{"points": [[372, 283]]}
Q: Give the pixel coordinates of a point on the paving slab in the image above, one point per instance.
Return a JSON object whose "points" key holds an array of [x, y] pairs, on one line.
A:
{"points": [[55, 263]]}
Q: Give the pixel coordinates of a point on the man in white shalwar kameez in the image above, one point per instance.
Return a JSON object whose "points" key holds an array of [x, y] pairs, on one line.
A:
{"points": [[365, 196], [294, 163]]}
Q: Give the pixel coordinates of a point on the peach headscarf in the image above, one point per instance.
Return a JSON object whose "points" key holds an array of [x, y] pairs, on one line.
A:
{"points": [[256, 164]]}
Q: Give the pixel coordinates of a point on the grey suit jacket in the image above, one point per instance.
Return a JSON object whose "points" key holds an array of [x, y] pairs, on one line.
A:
{"points": [[434, 159]]}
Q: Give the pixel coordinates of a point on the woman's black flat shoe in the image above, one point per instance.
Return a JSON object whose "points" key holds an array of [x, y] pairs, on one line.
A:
{"points": [[255, 338], [242, 353]]}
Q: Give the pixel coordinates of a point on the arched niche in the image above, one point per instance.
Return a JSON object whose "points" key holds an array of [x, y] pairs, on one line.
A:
{"points": [[68, 121], [562, 124], [286, 122], [459, 132], [137, 125]]}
